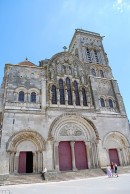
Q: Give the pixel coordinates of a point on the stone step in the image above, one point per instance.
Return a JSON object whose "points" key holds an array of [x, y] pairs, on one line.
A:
{"points": [[58, 176]]}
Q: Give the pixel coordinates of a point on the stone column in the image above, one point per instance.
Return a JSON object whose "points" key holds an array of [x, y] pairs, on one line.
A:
{"points": [[92, 155], [88, 153], [95, 155], [50, 92], [73, 156], [126, 151], [56, 156], [41, 161], [120, 156], [26, 97], [11, 162], [73, 95], [81, 98], [43, 93], [58, 97], [66, 97], [38, 162], [34, 162], [16, 162]]}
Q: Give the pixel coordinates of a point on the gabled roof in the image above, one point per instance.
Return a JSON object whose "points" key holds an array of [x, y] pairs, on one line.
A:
{"points": [[27, 63]]}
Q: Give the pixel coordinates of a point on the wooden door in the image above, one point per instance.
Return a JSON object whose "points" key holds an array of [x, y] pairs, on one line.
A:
{"points": [[22, 162], [113, 155], [65, 158], [80, 155]]}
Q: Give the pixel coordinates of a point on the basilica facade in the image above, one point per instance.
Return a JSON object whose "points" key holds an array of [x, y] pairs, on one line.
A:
{"points": [[66, 114]]}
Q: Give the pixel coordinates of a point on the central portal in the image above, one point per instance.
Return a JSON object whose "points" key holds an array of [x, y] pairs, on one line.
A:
{"points": [[25, 162]]}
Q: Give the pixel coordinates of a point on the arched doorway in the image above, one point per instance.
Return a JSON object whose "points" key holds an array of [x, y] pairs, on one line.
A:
{"points": [[25, 152], [76, 138], [117, 148]]}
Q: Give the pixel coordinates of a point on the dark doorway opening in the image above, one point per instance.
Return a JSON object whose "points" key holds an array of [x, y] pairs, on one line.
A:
{"points": [[25, 162], [29, 162]]}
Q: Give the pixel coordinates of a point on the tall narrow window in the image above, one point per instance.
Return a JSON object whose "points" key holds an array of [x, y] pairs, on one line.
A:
{"points": [[101, 73], [102, 102], [21, 96], [61, 90], [76, 91], [33, 97], [54, 95], [96, 56], [88, 55], [68, 84], [84, 97], [93, 72], [110, 103]]}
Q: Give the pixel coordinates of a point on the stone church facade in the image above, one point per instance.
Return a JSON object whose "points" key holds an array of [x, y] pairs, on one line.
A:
{"points": [[66, 114]]}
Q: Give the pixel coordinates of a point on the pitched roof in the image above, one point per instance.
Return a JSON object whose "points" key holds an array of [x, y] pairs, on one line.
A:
{"points": [[27, 63]]}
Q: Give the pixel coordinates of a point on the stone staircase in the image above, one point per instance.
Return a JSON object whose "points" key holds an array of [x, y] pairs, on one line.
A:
{"points": [[59, 176]]}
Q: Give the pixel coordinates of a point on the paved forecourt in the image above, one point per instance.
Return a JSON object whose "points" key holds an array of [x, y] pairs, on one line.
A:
{"points": [[102, 185]]}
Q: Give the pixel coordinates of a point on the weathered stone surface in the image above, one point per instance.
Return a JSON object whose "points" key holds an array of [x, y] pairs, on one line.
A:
{"points": [[60, 112]]}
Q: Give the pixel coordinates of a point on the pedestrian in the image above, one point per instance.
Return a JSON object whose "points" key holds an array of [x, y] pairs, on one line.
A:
{"points": [[109, 173], [43, 173], [116, 169], [112, 168]]}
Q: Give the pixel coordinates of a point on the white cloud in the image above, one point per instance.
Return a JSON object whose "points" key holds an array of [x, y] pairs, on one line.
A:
{"points": [[121, 5]]}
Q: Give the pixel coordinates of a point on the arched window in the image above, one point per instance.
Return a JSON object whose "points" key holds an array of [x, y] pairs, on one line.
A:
{"points": [[93, 72], [96, 56], [76, 91], [101, 73], [61, 90], [88, 55], [102, 102], [69, 91], [110, 103], [33, 97], [84, 97], [54, 95], [21, 96]]}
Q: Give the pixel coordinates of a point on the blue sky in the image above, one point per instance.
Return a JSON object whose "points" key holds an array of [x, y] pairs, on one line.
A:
{"points": [[38, 29]]}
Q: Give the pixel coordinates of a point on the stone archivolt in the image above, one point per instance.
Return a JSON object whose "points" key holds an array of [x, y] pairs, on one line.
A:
{"points": [[72, 126], [19, 137]]}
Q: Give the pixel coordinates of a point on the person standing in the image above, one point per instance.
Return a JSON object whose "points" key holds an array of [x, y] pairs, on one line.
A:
{"points": [[112, 168], [43, 173], [116, 170], [109, 173]]}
